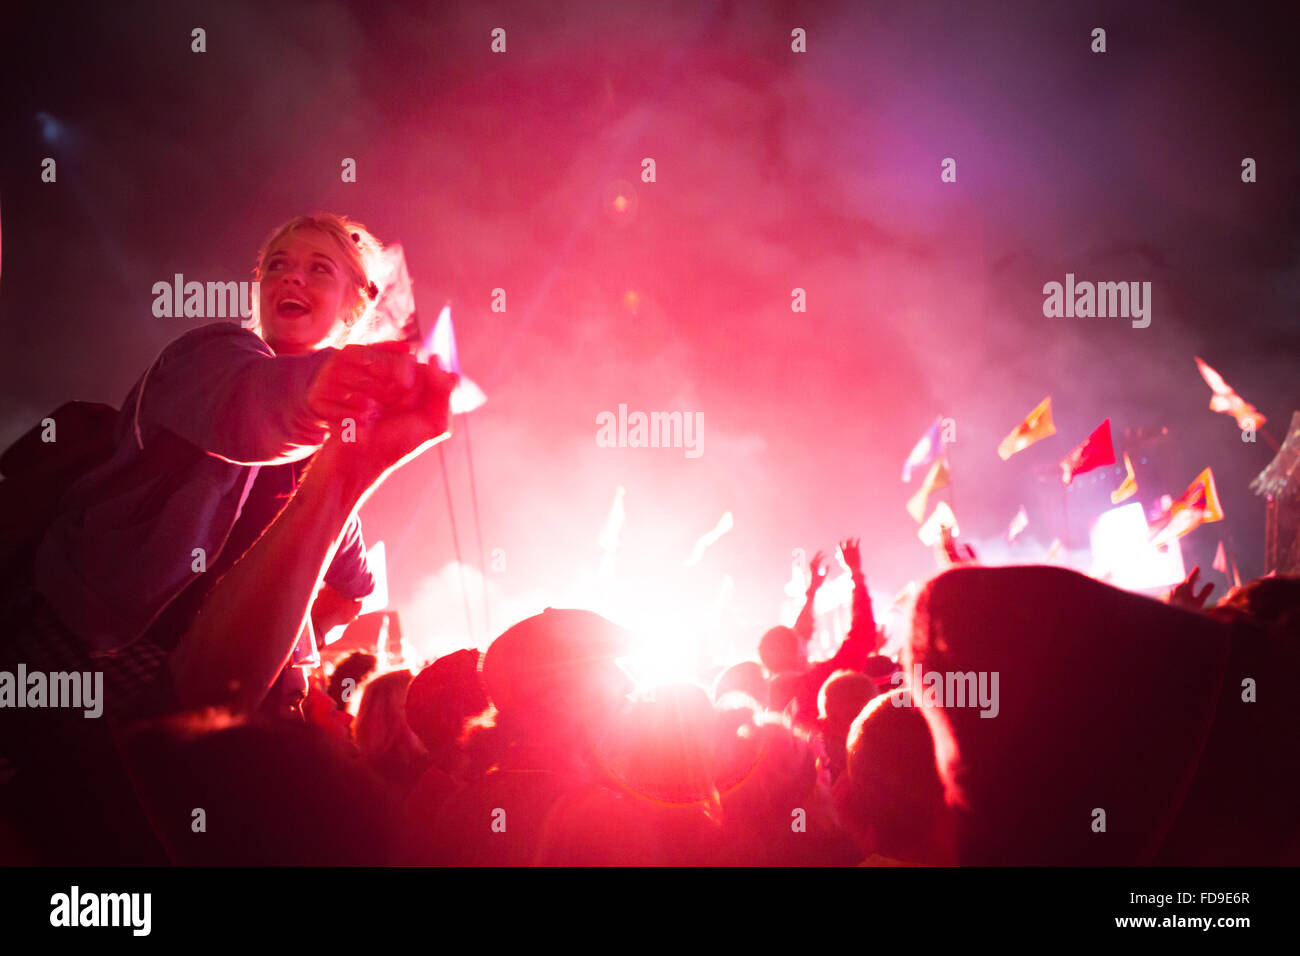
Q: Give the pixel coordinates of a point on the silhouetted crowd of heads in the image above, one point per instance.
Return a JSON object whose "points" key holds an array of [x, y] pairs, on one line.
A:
{"points": [[1121, 730]]}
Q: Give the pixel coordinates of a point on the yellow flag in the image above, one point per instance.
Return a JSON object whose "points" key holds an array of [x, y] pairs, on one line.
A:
{"points": [[1196, 506], [936, 478], [1130, 486], [1037, 425]]}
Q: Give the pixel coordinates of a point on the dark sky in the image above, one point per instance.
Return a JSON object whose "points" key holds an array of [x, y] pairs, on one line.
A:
{"points": [[775, 170]]}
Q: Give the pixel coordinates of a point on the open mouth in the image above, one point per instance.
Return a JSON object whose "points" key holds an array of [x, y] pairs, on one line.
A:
{"points": [[292, 308]]}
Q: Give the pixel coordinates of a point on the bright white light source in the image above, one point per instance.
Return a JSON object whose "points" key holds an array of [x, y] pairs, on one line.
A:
{"points": [[1122, 556]]}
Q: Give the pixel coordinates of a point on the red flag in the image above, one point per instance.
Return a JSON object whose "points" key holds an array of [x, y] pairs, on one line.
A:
{"points": [[1095, 452]]}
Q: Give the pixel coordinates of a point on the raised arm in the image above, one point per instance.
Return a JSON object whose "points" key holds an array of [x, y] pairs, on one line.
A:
{"points": [[803, 627], [245, 631], [221, 388], [863, 626]]}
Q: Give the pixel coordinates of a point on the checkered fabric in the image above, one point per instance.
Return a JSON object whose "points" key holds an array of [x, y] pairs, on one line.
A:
{"points": [[136, 680]]}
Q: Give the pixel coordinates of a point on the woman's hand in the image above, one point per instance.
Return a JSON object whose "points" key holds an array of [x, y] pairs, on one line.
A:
{"points": [[356, 382]]}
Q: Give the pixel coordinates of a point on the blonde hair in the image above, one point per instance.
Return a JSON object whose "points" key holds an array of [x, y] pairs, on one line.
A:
{"points": [[359, 251], [381, 728]]}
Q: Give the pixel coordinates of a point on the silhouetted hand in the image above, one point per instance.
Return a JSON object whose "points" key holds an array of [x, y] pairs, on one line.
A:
{"points": [[417, 420], [331, 609], [956, 554], [1185, 595], [850, 556], [817, 568]]}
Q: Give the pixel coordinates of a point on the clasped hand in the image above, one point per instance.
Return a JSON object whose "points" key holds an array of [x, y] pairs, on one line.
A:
{"points": [[382, 406]]}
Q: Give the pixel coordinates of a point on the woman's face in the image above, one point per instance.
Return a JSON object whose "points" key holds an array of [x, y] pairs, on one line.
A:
{"points": [[304, 292]]}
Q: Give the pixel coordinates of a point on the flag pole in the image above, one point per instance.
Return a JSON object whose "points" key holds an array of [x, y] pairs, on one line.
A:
{"points": [[478, 528], [1232, 561], [1065, 510], [455, 538], [952, 495]]}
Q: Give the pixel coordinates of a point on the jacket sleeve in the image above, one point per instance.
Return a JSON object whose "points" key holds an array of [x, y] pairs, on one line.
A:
{"points": [[221, 388], [349, 572]]}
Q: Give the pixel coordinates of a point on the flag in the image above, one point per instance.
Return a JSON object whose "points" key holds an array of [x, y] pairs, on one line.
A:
{"points": [[1220, 560], [942, 517], [1095, 451], [1037, 425], [442, 344], [1228, 401], [393, 316], [937, 478], [1201, 495], [1130, 486], [725, 524], [924, 452], [1196, 506], [1018, 524]]}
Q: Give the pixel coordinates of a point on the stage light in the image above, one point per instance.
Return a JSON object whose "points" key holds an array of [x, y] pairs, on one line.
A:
{"points": [[619, 201], [1122, 555], [51, 128]]}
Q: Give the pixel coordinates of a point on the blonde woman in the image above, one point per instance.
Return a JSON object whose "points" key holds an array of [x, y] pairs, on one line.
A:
{"points": [[189, 566]]}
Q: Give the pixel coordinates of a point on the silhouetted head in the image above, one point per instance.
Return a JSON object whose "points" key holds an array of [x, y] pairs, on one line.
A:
{"points": [[349, 674], [781, 651], [746, 677], [443, 696], [381, 729], [843, 696], [1271, 604], [557, 671], [890, 797]]}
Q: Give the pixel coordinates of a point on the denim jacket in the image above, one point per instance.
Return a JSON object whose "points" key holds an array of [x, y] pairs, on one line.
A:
{"points": [[215, 405]]}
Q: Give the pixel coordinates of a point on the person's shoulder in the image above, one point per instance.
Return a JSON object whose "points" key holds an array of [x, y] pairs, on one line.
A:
{"points": [[217, 335]]}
